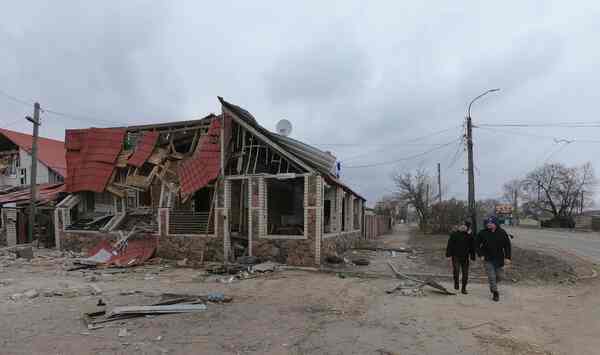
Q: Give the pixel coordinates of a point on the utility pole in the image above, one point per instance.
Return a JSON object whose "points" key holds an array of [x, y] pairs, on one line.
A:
{"points": [[440, 181], [427, 197], [472, 209], [33, 178]]}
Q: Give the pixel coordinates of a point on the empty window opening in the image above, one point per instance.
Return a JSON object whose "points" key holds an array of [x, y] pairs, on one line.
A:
{"points": [[285, 206]]}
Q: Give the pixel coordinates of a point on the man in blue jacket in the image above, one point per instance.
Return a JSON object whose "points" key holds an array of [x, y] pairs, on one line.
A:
{"points": [[494, 249]]}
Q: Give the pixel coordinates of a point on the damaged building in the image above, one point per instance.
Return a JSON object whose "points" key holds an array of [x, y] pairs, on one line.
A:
{"points": [[15, 178], [213, 189]]}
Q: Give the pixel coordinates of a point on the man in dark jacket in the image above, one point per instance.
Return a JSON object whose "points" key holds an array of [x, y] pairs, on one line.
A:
{"points": [[460, 247], [493, 246]]}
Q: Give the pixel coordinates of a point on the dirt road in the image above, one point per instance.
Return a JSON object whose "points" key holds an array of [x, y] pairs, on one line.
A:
{"points": [[294, 312], [584, 244]]}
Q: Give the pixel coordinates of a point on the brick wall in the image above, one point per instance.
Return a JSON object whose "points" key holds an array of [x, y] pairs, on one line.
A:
{"points": [[300, 252]]}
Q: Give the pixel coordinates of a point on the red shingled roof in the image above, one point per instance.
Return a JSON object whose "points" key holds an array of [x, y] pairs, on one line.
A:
{"points": [[51, 152], [205, 165], [143, 149], [91, 157]]}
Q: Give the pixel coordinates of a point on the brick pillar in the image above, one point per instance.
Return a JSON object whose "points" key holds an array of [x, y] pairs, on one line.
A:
{"points": [[221, 216], [313, 211], [227, 207], [255, 210], [163, 221], [339, 198]]}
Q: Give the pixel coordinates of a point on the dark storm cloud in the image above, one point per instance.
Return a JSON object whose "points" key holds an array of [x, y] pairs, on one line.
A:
{"points": [[329, 69], [370, 76]]}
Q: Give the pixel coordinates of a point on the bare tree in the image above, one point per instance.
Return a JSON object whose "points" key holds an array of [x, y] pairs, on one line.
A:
{"points": [[447, 214], [511, 194], [559, 190], [414, 190]]}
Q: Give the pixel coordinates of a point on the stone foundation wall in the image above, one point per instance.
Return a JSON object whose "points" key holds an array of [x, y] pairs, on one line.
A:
{"points": [[196, 249], [337, 245], [299, 252]]}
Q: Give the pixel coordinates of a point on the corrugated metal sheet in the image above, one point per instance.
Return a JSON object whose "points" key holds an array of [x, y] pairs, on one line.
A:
{"points": [[143, 149], [322, 161], [204, 166], [46, 193], [91, 155], [133, 253]]}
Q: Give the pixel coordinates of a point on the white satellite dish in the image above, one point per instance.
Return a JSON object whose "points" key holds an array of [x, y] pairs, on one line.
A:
{"points": [[284, 127]]}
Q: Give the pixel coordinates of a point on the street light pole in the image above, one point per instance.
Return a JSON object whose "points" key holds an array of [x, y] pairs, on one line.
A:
{"points": [[472, 209]]}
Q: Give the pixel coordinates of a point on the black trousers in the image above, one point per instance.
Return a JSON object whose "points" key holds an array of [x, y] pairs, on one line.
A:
{"points": [[460, 265]]}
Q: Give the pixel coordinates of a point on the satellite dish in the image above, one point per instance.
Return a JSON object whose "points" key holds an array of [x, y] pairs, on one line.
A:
{"points": [[284, 127]]}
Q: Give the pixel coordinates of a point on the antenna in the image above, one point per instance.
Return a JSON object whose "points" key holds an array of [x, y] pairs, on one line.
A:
{"points": [[284, 127]]}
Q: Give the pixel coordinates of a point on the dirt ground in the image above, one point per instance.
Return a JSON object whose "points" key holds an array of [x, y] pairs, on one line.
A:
{"points": [[294, 312]]}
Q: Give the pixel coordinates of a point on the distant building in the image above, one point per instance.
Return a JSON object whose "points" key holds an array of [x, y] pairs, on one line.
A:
{"points": [[15, 159], [15, 178]]}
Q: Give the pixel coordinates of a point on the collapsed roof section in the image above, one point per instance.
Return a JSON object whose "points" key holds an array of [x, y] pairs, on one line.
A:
{"points": [[186, 156], [205, 164], [46, 193], [91, 155], [284, 154]]}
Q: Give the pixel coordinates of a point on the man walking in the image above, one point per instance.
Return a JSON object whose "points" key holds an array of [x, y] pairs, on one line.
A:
{"points": [[460, 247], [493, 246]]}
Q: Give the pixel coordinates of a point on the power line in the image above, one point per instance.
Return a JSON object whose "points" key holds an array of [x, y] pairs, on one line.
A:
{"points": [[550, 124], [402, 159], [533, 135], [405, 142], [58, 113], [16, 99]]}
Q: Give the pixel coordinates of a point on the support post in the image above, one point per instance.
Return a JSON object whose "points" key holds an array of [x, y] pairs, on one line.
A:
{"points": [[33, 179], [472, 210], [440, 181]]}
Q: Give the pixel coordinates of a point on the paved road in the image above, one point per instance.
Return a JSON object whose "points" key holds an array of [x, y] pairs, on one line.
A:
{"points": [[586, 245]]}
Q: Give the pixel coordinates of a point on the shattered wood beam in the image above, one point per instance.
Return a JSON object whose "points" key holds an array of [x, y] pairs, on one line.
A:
{"points": [[267, 140], [194, 142], [115, 190]]}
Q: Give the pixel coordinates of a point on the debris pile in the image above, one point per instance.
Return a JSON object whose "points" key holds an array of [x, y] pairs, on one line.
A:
{"points": [[169, 304], [403, 286]]}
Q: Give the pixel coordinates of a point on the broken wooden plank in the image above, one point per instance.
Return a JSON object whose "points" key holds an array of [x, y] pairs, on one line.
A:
{"points": [[429, 282], [115, 190], [158, 156], [123, 158]]}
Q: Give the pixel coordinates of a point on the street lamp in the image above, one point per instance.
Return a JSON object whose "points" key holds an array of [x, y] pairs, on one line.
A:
{"points": [[472, 209], [477, 98]]}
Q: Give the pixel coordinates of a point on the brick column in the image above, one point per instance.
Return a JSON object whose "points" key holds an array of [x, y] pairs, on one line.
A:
{"points": [[226, 206], [313, 211], [339, 200], [254, 211]]}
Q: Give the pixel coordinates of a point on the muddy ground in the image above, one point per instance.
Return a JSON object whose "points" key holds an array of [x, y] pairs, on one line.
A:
{"points": [[529, 266], [293, 312]]}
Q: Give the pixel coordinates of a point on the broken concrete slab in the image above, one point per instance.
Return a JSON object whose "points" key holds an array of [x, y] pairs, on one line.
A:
{"points": [[95, 289], [25, 253], [17, 297], [267, 266], [33, 293]]}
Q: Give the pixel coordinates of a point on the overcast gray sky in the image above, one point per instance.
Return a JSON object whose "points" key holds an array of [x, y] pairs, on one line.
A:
{"points": [[361, 79]]}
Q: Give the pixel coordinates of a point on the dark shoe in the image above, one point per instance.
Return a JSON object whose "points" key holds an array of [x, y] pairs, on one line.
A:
{"points": [[496, 297], [456, 287], [464, 291]]}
